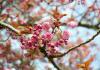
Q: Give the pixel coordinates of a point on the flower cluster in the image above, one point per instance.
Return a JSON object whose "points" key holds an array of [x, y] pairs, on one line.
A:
{"points": [[42, 35]]}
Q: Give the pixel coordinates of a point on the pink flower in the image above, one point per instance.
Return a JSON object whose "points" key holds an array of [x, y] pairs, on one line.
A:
{"points": [[22, 21], [37, 27], [48, 36], [9, 9], [65, 35], [51, 44], [72, 24], [46, 26], [59, 43]]}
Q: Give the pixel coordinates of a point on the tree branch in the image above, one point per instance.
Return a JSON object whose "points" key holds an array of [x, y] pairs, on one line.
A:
{"points": [[10, 27], [73, 48], [95, 27], [42, 49]]}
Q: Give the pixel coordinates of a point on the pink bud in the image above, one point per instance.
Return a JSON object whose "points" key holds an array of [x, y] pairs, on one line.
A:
{"points": [[72, 24], [46, 26], [65, 35], [37, 27], [48, 36], [52, 44]]}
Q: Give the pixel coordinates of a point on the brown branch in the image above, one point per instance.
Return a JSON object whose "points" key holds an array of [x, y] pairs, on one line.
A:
{"points": [[10, 27], [95, 27], [74, 48], [42, 49]]}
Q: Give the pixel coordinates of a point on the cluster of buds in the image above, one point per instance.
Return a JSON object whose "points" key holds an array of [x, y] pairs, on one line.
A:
{"points": [[43, 36]]}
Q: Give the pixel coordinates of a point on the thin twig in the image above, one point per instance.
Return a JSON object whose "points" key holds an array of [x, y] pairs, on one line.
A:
{"points": [[74, 48], [5, 39]]}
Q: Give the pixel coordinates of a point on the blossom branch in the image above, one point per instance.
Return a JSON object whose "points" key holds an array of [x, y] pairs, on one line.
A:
{"points": [[74, 48]]}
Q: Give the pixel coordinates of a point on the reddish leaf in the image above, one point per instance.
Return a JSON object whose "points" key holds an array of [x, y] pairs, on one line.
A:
{"points": [[86, 64]]}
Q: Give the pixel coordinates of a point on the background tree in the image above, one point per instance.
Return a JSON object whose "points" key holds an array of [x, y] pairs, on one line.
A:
{"points": [[49, 34]]}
